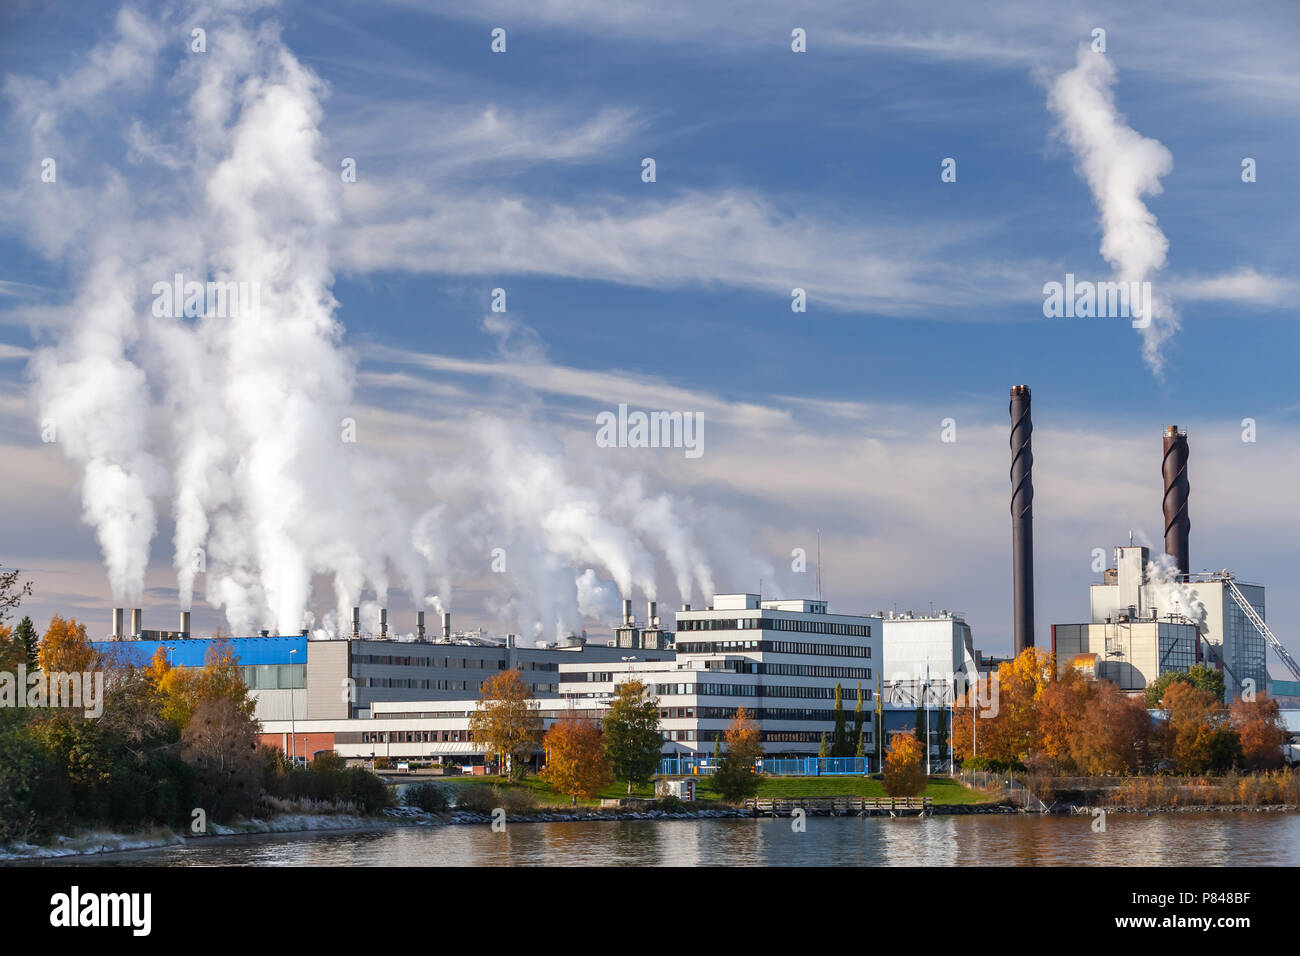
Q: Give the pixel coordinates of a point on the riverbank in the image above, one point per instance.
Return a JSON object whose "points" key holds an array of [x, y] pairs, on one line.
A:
{"points": [[95, 842]]}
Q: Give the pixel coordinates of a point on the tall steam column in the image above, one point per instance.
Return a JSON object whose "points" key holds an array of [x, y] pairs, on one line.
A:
{"points": [[1177, 523], [1022, 518]]}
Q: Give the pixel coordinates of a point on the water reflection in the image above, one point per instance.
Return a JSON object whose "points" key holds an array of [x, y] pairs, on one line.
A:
{"points": [[1233, 839]]}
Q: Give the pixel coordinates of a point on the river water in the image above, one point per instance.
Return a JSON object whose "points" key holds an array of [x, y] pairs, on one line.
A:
{"points": [[1183, 839]]}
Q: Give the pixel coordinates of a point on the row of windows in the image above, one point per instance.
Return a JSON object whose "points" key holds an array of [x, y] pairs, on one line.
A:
{"points": [[458, 663], [774, 624], [774, 647], [750, 690], [750, 667], [757, 713], [767, 736], [274, 676], [415, 683]]}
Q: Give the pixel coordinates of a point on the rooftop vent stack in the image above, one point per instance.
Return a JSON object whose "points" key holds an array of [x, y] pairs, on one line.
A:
{"points": [[651, 614], [119, 614], [419, 625], [185, 623], [356, 623], [446, 625], [265, 633], [304, 632], [383, 622], [1022, 518], [137, 622], [1177, 523], [627, 611]]}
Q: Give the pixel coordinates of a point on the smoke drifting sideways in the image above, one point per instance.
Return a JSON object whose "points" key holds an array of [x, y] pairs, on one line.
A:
{"points": [[1120, 166], [1172, 595], [236, 419]]}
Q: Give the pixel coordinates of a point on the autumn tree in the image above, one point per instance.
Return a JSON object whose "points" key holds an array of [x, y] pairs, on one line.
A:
{"points": [[1200, 676], [1190, 732], [1009, 733], [735, 778], [1261, 732], [633, 741], [904, 766], [507, 722], [1112, 736], [65, 648], [183, 689], [575, 758], [1061, 709]]}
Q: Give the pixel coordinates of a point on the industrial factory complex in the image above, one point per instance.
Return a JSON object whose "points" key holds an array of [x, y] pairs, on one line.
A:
{"points": [[369, 695]]}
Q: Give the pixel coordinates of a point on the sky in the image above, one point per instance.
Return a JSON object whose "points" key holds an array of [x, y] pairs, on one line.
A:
{"points": [[523, 170]]}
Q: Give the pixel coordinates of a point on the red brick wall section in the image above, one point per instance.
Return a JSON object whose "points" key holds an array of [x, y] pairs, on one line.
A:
{"points": [[305, 744]]}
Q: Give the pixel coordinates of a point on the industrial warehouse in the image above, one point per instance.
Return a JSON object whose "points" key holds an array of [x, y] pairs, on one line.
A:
{"points": [[369, 695]]}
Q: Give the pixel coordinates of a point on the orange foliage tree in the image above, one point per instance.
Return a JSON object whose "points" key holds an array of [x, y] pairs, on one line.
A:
{"points": [[1112, 736], [575, 758], [1259, 725], [65, 648], [1062, 706], [904, 773], [1194, 717]]}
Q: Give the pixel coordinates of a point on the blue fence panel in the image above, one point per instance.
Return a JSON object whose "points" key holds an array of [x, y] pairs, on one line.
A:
{"points": [[687, 764]]}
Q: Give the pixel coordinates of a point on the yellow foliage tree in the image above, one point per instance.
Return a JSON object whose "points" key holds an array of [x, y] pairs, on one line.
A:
{"points": [[904, 773], [575, 758], [507, 721], [184, 689], [65, 648]]}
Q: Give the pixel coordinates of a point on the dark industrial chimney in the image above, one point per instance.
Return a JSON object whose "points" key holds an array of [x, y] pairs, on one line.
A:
{"points": [[1177, 523], [419, 625], [356, 623], [1022, 518]]}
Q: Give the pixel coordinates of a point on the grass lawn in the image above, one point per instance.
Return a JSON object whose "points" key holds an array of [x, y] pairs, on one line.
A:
{"points": [[941, 789]]}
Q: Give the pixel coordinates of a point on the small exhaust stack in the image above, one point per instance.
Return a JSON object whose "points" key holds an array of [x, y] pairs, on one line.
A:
{"points": [[651, 614], [356, 623], [383, 623], [137, 622], [627, 611], [419, 625], [446, 625], [119, 616], [1177, 522], [1022, 518], [185, 623]]}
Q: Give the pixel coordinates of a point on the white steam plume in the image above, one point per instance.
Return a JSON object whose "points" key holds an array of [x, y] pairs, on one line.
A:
{"points": [[1120, 166]]}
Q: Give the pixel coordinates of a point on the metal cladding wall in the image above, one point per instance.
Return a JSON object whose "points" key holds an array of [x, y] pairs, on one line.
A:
{"points": [[193, 653], [1022, 517], [1177, 522]]}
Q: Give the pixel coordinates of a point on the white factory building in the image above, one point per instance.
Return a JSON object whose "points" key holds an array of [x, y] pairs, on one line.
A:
{"points": [[927, 657], [1142, 628]]}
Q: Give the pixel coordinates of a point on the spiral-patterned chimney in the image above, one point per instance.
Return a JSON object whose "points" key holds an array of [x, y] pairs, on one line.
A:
{"points": [[1022, 518], [1177, 523]]}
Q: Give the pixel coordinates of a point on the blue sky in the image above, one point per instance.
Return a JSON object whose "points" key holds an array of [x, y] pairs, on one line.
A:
{"points": [[774, 170]]}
